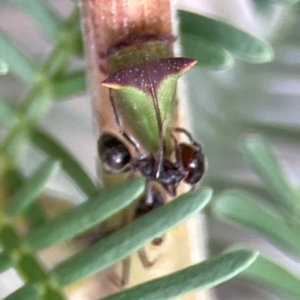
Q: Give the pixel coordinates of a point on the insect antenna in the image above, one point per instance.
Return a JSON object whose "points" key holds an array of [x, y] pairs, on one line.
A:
{"points": [[188, 135], [177, 149], [120, 125], [149, 193]]}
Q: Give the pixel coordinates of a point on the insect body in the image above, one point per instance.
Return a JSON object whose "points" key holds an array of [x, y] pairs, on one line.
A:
{"points": [[131, 45], [145, 99], [143, 102]]}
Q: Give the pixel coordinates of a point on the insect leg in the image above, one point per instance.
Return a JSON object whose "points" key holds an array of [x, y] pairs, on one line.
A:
{"points": [[126, 267], [121, 281], [189, 136], [120, 125], [149, 193], [177, 150], [161, 154], [144, 258]]}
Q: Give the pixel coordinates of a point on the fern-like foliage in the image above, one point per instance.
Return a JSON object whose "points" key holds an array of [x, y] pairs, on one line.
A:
{"points": [[252, 121], [215, 44]]}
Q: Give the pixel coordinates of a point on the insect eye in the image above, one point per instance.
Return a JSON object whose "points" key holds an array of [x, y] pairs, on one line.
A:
{"points": [[193, 162], [113, 153]]}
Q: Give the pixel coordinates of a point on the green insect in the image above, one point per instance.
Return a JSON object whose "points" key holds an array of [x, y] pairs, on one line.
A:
{"points": [[144, 97]]}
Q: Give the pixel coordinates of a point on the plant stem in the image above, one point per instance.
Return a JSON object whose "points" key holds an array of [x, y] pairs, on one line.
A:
{"points": [[105, 23]]}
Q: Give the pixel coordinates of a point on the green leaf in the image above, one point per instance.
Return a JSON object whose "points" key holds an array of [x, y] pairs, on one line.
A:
{"points": [[207, 54], [18, 61], [266, 165], [4, 262], [26, 292], [33, 187], [282, 2], [268, 273], [70, 84], [7, 113], [38, 99], [35, 292], [85, 216], [245, 209], [221, 183], [51, 147], [30, 268], [51, 294], [280, 131], [4, 67], [35, 215], [129, 239], [242, 44], [201, 276], [14, 180], [45, 18], [69, 164]]}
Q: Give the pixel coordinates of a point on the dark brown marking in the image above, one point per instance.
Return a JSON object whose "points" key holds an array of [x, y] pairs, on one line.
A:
{"points": [[102, 55], [103, 68], [137, 77], [135, 39]]}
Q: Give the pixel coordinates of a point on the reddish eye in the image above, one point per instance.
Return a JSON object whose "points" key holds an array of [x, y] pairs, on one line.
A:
{"points": [[193, 163]]}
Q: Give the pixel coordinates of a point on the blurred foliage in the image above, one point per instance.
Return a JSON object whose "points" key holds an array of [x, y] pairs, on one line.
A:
{"points": [[248, 122]]}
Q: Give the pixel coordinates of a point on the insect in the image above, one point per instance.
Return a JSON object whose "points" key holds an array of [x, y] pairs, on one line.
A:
{"points": [[162, 160], [143, 97], [188, 166]]}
